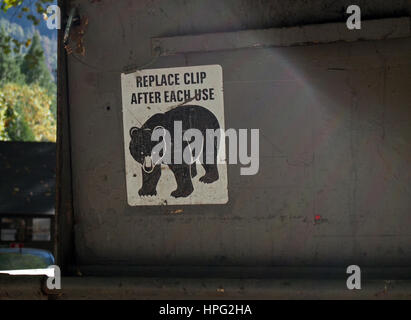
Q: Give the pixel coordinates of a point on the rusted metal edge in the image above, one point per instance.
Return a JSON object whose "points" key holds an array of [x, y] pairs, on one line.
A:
{"points": [[277, 272], [378, 29], [117, 288], [64, 222]]}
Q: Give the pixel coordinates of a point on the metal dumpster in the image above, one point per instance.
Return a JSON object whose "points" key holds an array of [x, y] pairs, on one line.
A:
{"points": [[332, 107]]}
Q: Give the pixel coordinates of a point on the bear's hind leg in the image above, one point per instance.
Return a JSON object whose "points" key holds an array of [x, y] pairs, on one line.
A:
{"points": [[211, 174], [193, 167], [211, 170]]}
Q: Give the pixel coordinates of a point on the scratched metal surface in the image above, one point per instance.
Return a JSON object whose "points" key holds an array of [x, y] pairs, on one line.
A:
{"points": [[335, 129]]}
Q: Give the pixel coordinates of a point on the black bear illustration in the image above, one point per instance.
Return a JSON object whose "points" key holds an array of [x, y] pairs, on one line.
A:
{"points": [[191, 117]]}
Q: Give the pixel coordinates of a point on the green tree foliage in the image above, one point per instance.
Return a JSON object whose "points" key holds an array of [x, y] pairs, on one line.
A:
{"points": [[34, 66], [9, 65], [27, 89], [25, 113], [24, 31], [30, 10]]}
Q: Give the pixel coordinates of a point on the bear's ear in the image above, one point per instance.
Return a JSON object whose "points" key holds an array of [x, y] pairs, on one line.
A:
{"points": [[133, 131]]}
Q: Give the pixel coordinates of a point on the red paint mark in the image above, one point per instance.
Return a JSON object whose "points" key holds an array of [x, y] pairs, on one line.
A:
{"points": [[16, 245]]}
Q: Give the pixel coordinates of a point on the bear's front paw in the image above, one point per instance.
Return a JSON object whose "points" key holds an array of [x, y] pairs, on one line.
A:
{"points": [[182, 193], [143, 193]]}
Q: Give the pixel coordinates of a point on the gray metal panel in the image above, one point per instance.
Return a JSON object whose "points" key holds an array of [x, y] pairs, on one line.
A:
{"points": [[121, 288], [284, 37], [334, 180]]}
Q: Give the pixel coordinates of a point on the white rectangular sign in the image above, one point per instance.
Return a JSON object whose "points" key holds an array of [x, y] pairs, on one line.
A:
{"points": [[174, 151]]}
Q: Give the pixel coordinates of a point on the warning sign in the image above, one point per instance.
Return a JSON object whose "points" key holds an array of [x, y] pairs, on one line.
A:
{"points": [[173, 121]]}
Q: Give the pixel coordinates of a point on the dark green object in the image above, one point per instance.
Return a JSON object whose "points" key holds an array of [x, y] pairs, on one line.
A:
{"points": [[15, 261]]}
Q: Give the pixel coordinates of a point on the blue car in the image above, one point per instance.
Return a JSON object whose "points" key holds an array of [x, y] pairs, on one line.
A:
{"points": [[24, 258]]}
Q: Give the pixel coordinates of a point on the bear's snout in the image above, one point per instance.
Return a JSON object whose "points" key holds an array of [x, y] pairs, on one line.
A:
{"points": [[148, 163]]}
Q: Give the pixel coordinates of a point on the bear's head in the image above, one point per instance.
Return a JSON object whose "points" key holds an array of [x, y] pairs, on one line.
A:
{"points": [[141, 146]]}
